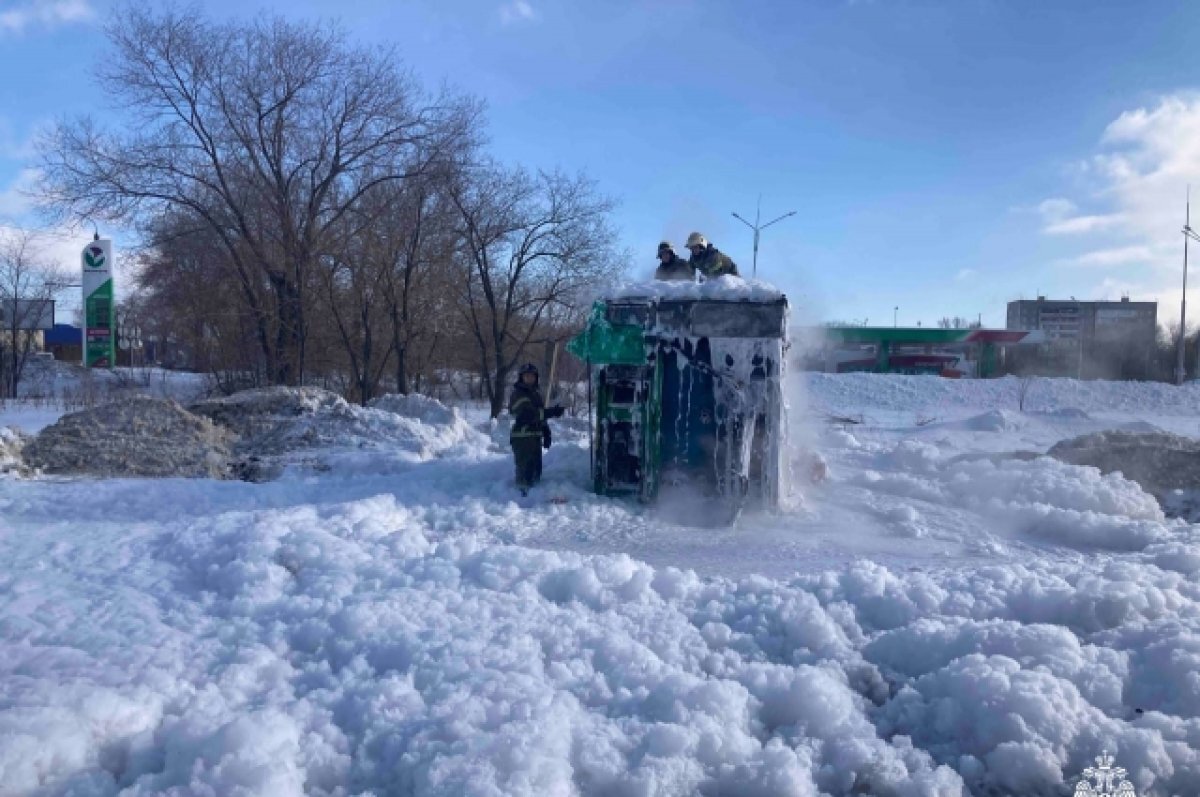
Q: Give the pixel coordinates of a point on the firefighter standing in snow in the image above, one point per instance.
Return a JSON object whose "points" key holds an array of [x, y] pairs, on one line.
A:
{"points": [[530, 432]]}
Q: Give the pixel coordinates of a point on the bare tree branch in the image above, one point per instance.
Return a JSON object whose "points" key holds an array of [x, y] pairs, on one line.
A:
{"points": [[272, 132]]}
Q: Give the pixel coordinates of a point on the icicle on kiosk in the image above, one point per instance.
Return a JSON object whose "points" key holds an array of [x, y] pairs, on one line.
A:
{"points": [[686, 383]]}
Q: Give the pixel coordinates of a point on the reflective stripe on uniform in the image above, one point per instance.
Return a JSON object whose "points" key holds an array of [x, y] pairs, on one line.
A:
{"points": [[518, 402], [525, 434]]}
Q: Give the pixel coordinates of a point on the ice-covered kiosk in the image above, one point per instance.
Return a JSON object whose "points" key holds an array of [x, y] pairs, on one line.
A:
{"points": [[686, 384]]}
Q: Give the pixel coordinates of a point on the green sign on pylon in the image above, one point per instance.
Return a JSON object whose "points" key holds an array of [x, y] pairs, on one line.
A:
{"points": [[98, 315]]}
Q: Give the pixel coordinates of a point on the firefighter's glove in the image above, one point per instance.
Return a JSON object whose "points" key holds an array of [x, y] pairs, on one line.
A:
{"points": [[555, 412]]}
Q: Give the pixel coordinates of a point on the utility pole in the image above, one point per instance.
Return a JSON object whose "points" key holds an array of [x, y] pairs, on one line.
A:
{"points": [[1180, 367], [758, 228], [895, 315]]}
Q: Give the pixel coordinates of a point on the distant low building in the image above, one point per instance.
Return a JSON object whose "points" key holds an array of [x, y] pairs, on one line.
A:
{"points": [[33, 317], [1087, 339], [971, 352], [65, 342]]}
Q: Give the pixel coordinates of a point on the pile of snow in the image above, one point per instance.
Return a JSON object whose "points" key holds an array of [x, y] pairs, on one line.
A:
{"points": [[11, 443], [138, 436], [414, 405], [1068, 413], [252, 435], [996, 421], [1039, 497], [1069, 397], [1160, 462], [723, 288], [356, 647], [278, 426], [1182, 504], [350, 650], [279, 419]]}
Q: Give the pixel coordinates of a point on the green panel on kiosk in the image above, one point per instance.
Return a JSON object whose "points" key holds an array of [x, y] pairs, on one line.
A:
{"points": [[605, 343]]}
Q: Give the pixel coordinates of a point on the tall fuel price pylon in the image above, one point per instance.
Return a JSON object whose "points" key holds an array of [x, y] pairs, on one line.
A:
{"points": [[98, 313]]}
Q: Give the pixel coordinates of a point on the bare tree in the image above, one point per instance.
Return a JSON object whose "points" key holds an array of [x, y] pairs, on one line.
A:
{"points": [[28, 284], [353, 288], [1166, 350], [418, 268], [270, 132], [387, 292], [529, 244], [192, 303], [957, 322]]}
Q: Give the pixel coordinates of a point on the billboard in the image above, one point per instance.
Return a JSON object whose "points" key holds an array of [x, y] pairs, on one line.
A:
{"points": [[28, 313], [98, 315]]}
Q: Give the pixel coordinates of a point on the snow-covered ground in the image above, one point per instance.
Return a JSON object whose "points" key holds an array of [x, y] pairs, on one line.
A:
{"points": [[944, 615], [56, 381]]}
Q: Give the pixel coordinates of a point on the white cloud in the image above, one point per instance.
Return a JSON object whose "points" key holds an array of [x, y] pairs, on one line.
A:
{"points": [[964, 274], [1061, 217], [1083, 224], [59, 244], [1056, 209], [1135, 185], [516, 11], [18, 18], [1117, 256], [15, 200]]}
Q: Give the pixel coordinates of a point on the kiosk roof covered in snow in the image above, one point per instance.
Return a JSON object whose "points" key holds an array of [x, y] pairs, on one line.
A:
{"points": [[687, 390]]}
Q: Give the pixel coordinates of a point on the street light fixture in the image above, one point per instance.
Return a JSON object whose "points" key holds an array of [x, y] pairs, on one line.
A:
{"points": [[758, 228]]}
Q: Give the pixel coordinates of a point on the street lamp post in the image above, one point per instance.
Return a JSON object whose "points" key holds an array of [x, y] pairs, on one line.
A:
{"points": [[758, 228], [1188, 233], [895, 316]]}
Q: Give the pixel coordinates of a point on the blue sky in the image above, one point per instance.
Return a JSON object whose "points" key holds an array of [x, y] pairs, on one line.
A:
{"points": [[942, 157]]}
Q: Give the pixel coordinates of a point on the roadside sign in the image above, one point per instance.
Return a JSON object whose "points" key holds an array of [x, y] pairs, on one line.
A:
{"points": [[96, 261]]}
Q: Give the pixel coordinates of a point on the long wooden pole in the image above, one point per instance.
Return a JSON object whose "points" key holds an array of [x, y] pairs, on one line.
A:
{"points": [[553, 371]]}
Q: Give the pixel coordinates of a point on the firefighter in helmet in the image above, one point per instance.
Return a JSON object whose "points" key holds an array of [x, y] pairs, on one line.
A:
{"points": [[672, 267], [708, 260], [530, 432]]}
